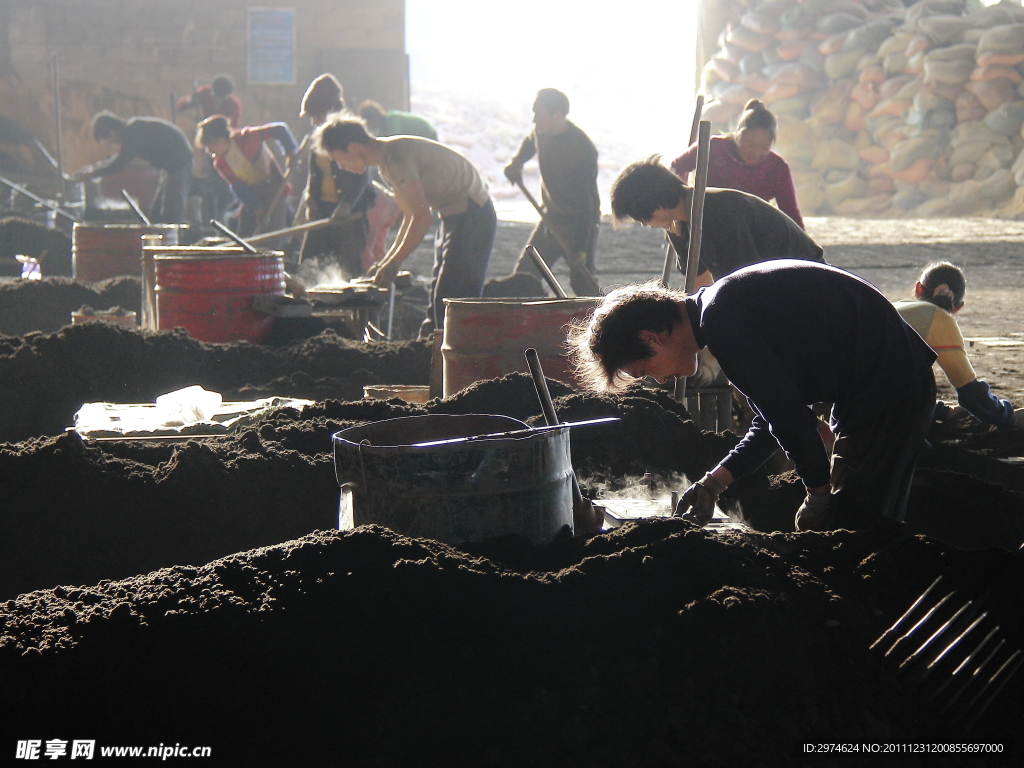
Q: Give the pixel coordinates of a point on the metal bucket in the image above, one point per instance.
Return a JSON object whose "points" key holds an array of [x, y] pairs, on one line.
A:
{"points": [[486, 338], [101, 251], [457, 492], [209, 291]]}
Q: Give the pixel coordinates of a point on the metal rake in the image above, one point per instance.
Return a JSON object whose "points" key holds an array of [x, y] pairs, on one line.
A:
{"points": [[953, 650]]}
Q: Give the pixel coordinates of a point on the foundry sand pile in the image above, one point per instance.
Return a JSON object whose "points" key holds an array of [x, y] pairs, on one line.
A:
{"points": [[883, 110]]}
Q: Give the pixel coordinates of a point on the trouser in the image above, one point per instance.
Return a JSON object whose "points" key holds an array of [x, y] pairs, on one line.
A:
{"points": [[579, 233], [462, 250], [273, 220], [873, 463], [342, 242], [174, 197]]}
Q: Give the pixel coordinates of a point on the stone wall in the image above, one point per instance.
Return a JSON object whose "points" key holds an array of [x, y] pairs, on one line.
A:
{"points": [[131, 55]]}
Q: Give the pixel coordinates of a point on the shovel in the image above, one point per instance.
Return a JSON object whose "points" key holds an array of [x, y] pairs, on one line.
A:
{"points": [[512, 434], [577, 259]]}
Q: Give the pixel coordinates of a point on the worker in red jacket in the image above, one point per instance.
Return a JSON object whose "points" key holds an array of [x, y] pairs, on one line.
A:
{"points": [[245, 162], [744, 160]]}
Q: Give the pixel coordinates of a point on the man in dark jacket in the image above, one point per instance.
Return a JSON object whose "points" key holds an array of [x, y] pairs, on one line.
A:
{"points": [[787, 334], [160, 143]]}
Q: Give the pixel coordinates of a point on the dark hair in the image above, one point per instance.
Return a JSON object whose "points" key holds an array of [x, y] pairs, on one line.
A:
{"points": [[338, 132], [323, 96], [941, 275], [756, 117], [608, 339], [374, 115], [212, 128], [105, 123], [643, 187], [552, 100], [222, 86]]}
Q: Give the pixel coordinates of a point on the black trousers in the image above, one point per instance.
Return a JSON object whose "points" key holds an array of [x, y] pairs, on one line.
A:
{"points": [[873, 462]]}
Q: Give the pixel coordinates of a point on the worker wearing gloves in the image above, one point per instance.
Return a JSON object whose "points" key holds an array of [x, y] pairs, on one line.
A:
{"points": [[160, 143], [568, 186], [738, 229], [938, 295], [332, 192], [744, 160], [425, 177], [244, 161], [787, 334]]}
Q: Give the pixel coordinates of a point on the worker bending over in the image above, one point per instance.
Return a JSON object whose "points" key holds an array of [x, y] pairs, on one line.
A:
{"points": [[244, 161], [938, 295], [787, 334], [425, 176], [160, 143], [568, 187]]}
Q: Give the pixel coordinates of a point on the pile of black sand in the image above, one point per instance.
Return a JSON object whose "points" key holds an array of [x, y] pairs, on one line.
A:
{"points": [[45, 306], [656, 645], [79, 511], [19, 236], [45, 378]]}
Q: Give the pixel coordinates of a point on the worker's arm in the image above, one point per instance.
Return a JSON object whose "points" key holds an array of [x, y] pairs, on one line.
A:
{"points": [[514, 169], [416, 222], [282, 134], [685, 163], [785, 195]]}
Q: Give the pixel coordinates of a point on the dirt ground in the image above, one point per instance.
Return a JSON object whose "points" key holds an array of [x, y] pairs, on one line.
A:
{"points": [[195, 592]]}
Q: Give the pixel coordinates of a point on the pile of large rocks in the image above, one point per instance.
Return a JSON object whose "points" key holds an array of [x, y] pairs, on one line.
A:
{"points": [[883, 109]]}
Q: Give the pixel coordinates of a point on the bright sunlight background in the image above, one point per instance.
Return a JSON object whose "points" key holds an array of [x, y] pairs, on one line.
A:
{"points": [[628, 72]]}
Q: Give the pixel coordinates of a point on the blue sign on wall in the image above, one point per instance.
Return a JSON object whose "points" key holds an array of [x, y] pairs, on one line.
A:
{"points": [[272, 46]]}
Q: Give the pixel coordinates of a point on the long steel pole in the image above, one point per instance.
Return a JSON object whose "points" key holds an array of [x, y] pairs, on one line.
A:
{"points": [[696, 224], [59, 126], [698, 111]]}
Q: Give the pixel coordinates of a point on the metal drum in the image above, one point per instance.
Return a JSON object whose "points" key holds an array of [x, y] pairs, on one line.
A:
{"points": [[209, 291], [454, 492], [486, 338], [101, 251]]}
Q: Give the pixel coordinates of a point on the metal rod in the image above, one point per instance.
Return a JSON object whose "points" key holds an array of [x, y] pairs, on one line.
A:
{"points": [[391, 309], [548, 407], [666, 269], [174, 106], [576, 259], [698, 112], [135, 207], [309, 225], [38, 199], [545, 270], [518, 432], [244, 243], [892, 630], [696, 221], [59, 126]]}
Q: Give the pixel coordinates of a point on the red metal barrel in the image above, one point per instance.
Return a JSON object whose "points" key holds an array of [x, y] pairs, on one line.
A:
{"points": [[99, 251], [486, 338], [209, 291]]}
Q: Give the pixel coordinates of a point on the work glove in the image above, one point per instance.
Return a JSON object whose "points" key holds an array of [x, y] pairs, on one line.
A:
{"points": [[514, 173], [385, 273], [697, 504], [811, 515], [708, 370]]}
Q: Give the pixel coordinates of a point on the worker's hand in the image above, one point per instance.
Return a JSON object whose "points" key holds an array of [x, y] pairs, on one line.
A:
{"points": [[514, 172], [811, 515], [708, 370], [697, 504], [385, 273], [341, 213]]}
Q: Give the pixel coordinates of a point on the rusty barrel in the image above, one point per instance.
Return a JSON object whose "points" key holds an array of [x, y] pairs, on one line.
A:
{"points": [[486, 338], [458, 491], [209, 291], [101, 251]]}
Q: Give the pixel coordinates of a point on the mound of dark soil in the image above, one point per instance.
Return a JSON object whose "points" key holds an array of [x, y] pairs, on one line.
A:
{"points": [[45, 306], [22, 237], [45, 378], [657, 644]]}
